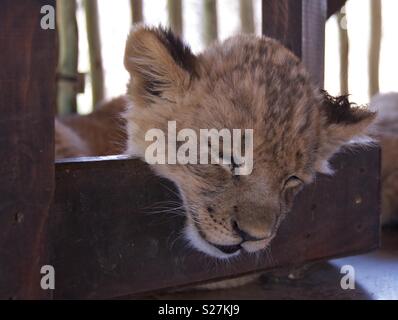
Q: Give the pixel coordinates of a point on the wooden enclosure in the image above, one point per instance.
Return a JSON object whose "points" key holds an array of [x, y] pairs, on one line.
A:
{"points": [[90, 218]]}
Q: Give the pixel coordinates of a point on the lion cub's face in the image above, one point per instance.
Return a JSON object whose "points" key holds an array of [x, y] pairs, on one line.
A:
{"points": [[244, 83]]}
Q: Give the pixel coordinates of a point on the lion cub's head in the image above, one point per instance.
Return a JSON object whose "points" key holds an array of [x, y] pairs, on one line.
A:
{"points": [[246, 82]]}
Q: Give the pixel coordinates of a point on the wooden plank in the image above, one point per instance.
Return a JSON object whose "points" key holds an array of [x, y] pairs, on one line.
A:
{"points": [[300, 26], [246, 13], [95, 47], [210, 22], [27, 100], [282, 21], [376, 27], [68, 59], [175, 14], [136, 11], [106, 243]]}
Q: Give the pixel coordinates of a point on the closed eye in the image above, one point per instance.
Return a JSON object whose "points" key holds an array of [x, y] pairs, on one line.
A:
{"points": [[293, 182]]}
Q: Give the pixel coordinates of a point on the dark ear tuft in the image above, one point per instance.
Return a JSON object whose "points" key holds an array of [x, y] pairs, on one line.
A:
{"points": [[339, 110], [342, 122], [180, 52], [160, 64]]}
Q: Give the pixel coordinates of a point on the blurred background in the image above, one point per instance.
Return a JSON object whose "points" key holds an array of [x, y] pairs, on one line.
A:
{"points": [[361, 46]]}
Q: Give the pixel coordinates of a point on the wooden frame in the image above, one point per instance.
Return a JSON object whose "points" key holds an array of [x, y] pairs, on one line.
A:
{"points": [[92, 222]]}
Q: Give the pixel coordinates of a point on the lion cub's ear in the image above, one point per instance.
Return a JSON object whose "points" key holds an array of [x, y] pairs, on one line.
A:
{"points": [[160, 64], [342, 123]]}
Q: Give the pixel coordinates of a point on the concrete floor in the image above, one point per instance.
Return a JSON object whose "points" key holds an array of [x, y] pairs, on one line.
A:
{"points": [[376, 278]]}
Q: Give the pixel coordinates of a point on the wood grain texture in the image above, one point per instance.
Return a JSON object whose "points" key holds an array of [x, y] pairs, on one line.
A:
{"points": [[300, 26], [107, 242], [27, 100]]}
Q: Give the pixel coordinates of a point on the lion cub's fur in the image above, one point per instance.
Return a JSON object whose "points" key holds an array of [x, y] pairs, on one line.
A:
{"points": [[100, 133]]}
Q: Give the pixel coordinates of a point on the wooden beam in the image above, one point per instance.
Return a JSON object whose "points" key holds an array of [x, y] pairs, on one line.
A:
{"points": [[95, 49], [137, 11], [300, 26], [27, 99], [210, 21], [68, 60], [344, 44], [107, 242], [246, 11], [375, 47], [174, 8]]}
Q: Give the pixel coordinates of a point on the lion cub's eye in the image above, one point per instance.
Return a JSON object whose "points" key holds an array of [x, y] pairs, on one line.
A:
{"points": [[293, 182], [293, 185]]}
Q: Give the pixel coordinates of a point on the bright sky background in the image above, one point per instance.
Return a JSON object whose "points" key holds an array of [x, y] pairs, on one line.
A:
{"points": [[116, 22]]}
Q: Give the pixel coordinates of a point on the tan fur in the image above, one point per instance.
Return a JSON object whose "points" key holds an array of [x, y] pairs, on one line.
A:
{"points": [[100, 133], [68, 143], [246, 82]]}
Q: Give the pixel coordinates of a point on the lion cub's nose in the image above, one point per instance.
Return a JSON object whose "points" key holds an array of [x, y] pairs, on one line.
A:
{"points": [[244, 234]]}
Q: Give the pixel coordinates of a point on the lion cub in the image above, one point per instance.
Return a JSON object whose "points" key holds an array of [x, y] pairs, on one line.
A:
{"points": [[246, 82]]}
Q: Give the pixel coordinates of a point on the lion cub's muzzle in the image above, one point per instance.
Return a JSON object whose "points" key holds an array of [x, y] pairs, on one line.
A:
{"points": [[243, 233], [249, 242], [249, 246]]}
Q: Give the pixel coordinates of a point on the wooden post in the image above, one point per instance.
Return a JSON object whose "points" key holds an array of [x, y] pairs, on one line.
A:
{"points": [[27, 98], [375, 46], [300, 26], [175, 16], [94, 42], [246, 16], [68, 56], [210, 31], [136, 11], [344, 53]]}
